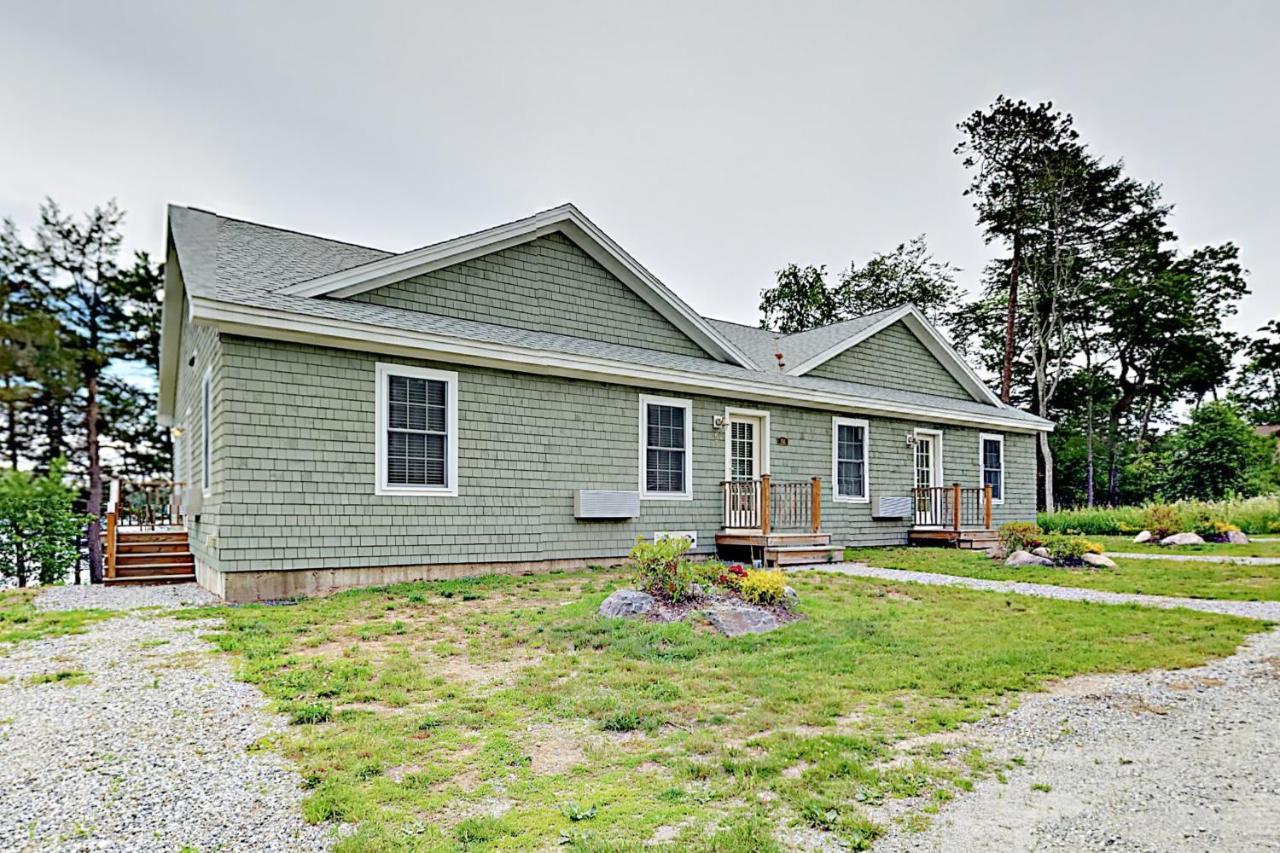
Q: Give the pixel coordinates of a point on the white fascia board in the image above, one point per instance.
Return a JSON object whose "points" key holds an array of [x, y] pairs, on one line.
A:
{"points": [[170, 335], [927, 335], [362, 337], [565, 219]]}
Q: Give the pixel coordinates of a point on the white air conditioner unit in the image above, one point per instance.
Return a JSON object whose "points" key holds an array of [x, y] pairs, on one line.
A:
{"points": [[602, 504], [891, 508]]}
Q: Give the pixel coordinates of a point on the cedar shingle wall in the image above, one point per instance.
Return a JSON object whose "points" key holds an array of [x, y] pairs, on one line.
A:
{"points": [[893, 358]]}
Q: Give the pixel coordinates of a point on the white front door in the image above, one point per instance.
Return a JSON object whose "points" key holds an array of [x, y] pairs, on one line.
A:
{"points": [[743, 463], [928, 473]]}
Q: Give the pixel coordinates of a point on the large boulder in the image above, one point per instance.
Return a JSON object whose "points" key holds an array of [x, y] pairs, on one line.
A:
{"points": [[1042, 552], [1182, 539], [627, 603], [1235, 537], [1144, 536], [1097, 561], [736, 621], [1024, 558]]}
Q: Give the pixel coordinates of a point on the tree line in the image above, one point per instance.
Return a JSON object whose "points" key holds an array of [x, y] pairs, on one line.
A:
{"points": [[1092, 313], [79, 355]]}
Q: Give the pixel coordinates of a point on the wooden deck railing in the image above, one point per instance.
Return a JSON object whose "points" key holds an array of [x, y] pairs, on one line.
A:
{"points": [[952, 507], [765, 505], [148, 504]]}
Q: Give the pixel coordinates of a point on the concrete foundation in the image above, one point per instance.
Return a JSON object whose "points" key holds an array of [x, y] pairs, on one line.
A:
{"points": [[247, 586]]}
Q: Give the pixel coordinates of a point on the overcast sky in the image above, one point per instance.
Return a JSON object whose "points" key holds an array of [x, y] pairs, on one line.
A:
{"points": [[714, 141]]}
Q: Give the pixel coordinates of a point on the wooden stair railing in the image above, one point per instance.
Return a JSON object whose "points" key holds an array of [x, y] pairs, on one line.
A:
{"points": [[149, 503], [956, 507], [767, 506]]}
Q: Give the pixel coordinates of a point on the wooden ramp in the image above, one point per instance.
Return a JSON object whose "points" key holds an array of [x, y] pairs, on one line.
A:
{"points": [[152, 557]]}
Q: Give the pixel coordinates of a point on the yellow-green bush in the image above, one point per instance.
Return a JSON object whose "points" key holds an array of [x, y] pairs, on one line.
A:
{"points": [[1020, 536], [763, 587]]}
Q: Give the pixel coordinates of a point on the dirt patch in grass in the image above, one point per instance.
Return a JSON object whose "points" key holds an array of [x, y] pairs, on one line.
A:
{"points": [[554, 749]]}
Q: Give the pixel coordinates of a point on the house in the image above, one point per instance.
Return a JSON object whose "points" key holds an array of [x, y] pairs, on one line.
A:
{"points": [[530, 397]]}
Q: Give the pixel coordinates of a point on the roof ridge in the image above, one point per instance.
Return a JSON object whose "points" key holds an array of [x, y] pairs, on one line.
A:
{"points": [[835, 323], [281, 229]]}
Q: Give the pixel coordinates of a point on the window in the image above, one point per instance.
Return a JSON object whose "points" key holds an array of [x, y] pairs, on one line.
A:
{"points": [[206, 432], [991, 451], [666, 447], [417, 424], [849, 440]]}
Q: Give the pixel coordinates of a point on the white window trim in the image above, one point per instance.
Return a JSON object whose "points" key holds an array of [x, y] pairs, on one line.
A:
{"points": [[763, 438], [206, 433], [687, 405], [836, 423], [450, 379], [983, 438], [939, 466]]}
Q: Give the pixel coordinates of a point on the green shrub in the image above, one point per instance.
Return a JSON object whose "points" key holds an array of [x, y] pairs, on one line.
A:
{"points": [[763, 587], [1163, 520], [1066, 549], [661, 569], [1020, 536], [1256, 516]]}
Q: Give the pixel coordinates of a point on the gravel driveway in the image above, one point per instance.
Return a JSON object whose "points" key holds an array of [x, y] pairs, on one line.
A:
{"points": [[1158, 761], [151, 753]]}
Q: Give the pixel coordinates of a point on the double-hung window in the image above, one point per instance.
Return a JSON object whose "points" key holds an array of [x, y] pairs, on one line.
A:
{"points": [[666, 447], [417, 423], [991, 458], [849, 441]]}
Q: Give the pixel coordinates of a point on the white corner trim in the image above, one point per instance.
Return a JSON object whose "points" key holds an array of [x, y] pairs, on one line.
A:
{"points": [[765, 438], [928, 335], [278, 325], [678, 402], [565, 219], [836, 423], [983, 438], [382, 372]]}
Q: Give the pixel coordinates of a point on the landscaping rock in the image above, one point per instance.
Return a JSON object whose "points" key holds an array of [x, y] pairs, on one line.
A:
{"points": [[736, 621], [1098, 561], [1042, 552], [695, 590], [790, 594], [1144, 536], [1235, 537], [1023, 558], [1182, 539], [996, 552], [626, 603]]}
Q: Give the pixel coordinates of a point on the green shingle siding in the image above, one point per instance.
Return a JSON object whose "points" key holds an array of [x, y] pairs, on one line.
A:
{"points": [[202, 344], [294, 463], [893, 358], [549, 285]]}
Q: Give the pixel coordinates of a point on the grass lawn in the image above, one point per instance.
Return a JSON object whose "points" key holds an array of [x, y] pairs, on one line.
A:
{"points": [[1253, 549], [1153, 577], [19, 619], [503, 713]]}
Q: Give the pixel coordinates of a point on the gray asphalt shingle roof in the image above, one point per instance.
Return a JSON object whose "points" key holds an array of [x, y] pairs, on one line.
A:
{"points": [[244, 263]]}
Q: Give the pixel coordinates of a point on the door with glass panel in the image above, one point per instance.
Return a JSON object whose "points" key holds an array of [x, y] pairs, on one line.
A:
{"points": [[927, 476], [745, 436]]}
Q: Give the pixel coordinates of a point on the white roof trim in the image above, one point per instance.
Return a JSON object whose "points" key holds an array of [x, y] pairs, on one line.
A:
{"points": [[565, 219], [321, 331], [933, 340]]}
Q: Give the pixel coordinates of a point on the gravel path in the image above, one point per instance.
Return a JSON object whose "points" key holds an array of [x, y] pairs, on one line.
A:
{"points": [[1268, 610], [1157, 761], [1198, 558], [152, 753]]}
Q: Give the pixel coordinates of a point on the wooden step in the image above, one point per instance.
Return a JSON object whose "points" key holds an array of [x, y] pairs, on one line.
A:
{"points": [[148, 580], [151, 536], [155, 569], [794, 555], [135, 557], [180, 546], [758, 540]]}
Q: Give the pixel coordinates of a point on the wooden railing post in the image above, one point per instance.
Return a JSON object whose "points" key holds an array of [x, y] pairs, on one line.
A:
{"points": [[955, 506], [766, 516], [113, 514], [815, 503], [986, 506]]}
